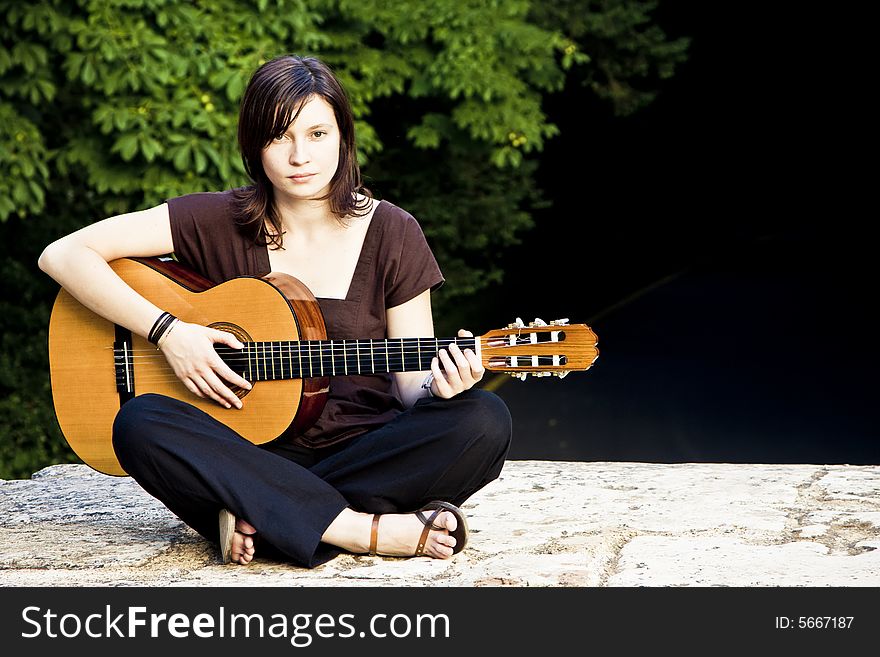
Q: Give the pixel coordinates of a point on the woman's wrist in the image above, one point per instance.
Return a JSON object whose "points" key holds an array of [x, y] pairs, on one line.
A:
{"points": [[161, 327], [164, 336]]}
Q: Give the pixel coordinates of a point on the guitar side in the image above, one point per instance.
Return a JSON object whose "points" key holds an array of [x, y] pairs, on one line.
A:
{"points": [[82, 368]]}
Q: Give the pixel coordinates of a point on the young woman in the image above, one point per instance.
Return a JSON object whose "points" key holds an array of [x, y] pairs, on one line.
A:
{"points": [[392, 456]]}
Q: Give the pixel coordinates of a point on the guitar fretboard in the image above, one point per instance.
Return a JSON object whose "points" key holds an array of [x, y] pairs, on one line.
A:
{"points": [[267, 361]]}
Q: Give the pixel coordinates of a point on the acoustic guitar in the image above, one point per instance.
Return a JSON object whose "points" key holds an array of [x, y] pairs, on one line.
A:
{"points": [[97, 366]]}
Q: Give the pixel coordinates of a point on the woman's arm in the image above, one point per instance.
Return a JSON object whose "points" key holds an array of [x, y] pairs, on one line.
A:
{"points": [[78, 262], [461, 369]]}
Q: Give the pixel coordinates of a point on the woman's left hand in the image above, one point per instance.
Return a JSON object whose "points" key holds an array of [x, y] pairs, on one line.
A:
{"points": [[461, 369]]}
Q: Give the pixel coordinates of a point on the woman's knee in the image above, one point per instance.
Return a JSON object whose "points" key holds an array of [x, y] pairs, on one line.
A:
{"points": [[134, 426], [490, 418]]}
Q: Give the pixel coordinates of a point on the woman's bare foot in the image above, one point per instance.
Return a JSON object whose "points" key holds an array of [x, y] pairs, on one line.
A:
{"points": [[243, 542], [398, 534]]}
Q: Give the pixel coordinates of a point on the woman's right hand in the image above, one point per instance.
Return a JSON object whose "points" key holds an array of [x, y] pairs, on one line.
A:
{"points": [[189, 349]]}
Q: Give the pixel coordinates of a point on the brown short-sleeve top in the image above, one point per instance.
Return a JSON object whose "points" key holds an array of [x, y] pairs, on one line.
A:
{"points": [[395, 265]]}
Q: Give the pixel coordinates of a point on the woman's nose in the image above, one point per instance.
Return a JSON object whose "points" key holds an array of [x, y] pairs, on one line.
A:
{"points": [[299, 153]]}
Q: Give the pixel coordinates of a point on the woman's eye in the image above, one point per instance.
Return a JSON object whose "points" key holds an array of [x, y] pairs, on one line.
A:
{"points": [[318, 134], [279, 138]]}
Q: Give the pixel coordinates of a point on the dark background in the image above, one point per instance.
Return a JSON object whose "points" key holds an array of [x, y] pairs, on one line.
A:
{"points": [[717, 242]]}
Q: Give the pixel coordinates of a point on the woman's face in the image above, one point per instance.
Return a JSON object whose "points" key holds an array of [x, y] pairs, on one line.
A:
{"points": [[301, 163]]}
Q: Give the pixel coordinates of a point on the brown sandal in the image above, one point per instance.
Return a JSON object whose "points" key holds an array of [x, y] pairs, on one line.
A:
{"points": [[460, 534]]}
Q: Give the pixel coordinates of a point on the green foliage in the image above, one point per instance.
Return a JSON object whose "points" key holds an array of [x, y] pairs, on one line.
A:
{"points": [[112, 106], [624, 54]]}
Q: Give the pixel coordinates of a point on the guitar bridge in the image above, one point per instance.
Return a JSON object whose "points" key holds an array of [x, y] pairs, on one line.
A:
{"points": [[123, 364]]}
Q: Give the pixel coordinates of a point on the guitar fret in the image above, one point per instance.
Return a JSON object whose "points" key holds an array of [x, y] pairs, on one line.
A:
{"points": [[272, 351], [357, 350], [402, 356], [387, 364], [372, 358], [333, 357]]}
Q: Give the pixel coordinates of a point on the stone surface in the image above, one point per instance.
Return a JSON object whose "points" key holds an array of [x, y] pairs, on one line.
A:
{"points": [[543, 523]]}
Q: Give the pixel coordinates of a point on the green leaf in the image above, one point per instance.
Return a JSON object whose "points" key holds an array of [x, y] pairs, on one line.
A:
{"points": [[182, 157], [235, 87], [201, 160], [126, 146]]}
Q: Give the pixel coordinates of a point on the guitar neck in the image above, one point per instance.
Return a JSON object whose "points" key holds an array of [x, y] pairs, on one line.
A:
{"points": [[268, 361]]}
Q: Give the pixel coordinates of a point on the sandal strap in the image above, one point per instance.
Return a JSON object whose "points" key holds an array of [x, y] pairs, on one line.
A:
{"points": [[423, 539], [374, 535], [429, 525], [429, 522]]}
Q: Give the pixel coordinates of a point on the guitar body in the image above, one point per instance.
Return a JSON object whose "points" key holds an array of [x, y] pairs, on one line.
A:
{"points": [[84, 375]]}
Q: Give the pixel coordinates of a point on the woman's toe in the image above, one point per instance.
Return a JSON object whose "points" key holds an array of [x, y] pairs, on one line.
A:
{"points": [[450, 521]]}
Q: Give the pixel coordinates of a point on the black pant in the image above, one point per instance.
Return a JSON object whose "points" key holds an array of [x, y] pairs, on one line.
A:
{"points": [[441, 449]]}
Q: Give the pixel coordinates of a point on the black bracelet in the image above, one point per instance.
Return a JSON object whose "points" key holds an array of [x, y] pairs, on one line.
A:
{"points": [[159, 327]]}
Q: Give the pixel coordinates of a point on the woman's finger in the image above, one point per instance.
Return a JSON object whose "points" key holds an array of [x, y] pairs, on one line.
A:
{"points": [[450, 370], [443, 388], [206, 389], [221, 367], [226, 396], [192, 388], [477, 368], [461, 362], [476, 365], [223, 370]]}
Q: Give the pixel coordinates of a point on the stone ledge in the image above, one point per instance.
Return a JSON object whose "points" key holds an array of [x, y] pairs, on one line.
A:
{"points": [[542, 523]]}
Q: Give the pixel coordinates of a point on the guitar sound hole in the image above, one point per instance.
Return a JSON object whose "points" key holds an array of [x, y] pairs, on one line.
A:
{"points": [[229, 355]]}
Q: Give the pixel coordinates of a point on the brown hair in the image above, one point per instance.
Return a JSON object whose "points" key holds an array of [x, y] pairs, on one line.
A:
{"points": [[273, 99]]}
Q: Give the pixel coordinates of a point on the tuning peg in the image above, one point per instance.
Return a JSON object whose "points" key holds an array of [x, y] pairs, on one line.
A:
{"points": [[562, 374], [517, 324], [559, 322], [537, 322], [519, 375]]}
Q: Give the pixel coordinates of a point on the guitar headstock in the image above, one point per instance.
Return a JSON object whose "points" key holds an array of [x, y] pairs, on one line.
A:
{"points": [[539, 348]]}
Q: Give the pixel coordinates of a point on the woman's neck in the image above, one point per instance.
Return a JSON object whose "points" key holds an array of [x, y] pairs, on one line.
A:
{"points": [[303, 216]]}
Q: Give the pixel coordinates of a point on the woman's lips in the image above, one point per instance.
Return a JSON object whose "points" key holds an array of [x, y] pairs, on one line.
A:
{"points": [[301, 177]]}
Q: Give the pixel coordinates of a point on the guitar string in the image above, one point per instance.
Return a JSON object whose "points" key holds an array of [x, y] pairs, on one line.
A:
{"points": [[316, 356], [279, 350], [164, 374], [393, 343], [394, 359], [393, 362], [337, 347]]}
